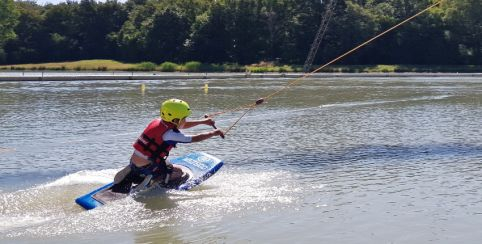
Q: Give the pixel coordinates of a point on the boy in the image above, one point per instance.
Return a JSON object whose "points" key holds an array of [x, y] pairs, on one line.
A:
{"points": [[152, 148]]}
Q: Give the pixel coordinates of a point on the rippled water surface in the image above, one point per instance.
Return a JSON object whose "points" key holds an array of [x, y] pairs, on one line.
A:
{"points": [[346, 160]]}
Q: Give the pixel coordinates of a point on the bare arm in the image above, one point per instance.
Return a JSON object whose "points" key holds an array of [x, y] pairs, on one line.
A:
{"points": [[192, 123], [207, 135]]}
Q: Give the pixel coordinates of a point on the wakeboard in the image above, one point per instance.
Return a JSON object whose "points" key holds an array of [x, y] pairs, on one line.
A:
{"points": [[198, 165]]}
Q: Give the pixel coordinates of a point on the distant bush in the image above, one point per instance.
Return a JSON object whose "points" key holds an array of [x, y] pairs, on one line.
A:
{"points": [[257, 69], [285, 68], [147, 66], [168, 67], [192, 66], [212, 67], [270, 66], [233, 67]]}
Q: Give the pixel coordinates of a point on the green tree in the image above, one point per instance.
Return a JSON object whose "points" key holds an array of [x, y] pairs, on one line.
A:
{"points": [[155, 32], [96, 24], [464, 28], [27, 44], [419, 41], [240, 31], [247, 30], [132, 35], [8, 20], [211, 39], [59, 25], [303, 19], [166, 37]]}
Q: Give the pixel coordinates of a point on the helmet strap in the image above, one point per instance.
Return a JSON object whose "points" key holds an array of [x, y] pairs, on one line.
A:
{"points": [[175, 122]]}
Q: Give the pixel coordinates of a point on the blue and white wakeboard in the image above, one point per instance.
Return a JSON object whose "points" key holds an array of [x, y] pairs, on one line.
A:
{"points": [[198, 165]]}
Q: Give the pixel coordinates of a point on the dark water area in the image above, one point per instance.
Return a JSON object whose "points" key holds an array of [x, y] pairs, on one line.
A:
{"points": [[331, 160]]}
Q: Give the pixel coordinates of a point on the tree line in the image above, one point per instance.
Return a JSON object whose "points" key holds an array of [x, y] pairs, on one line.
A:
{"points": [[239, 31]]}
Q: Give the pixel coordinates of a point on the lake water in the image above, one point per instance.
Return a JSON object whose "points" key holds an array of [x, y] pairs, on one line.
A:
{"points": [[345, 160]]}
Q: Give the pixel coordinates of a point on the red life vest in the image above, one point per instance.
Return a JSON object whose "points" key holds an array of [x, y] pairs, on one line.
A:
{"points": [[150, 142]]}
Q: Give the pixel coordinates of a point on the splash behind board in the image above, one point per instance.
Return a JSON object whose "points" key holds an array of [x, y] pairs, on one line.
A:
{"points": [[200, 166]]}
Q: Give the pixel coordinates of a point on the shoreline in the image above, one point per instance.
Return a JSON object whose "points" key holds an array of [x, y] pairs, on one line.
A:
{"points": [[77, 76]]}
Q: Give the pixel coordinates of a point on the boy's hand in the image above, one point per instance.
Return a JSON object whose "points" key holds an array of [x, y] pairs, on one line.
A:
{"points": [[219, 132], [209, 121]]}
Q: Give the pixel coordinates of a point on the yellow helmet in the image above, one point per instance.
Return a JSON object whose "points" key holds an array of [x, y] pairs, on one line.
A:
{"points": [[174, 109]]}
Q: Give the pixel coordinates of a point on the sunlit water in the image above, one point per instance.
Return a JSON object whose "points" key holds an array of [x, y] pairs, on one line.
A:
{"points": [[354, 160]]}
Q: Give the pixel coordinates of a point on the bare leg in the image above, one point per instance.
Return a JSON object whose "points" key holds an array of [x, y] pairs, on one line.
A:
{"points": [[122, 174]]}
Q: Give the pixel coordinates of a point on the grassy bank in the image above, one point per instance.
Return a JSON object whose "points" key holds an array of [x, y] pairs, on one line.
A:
{"points": [[263, 67], [111, 65]]}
